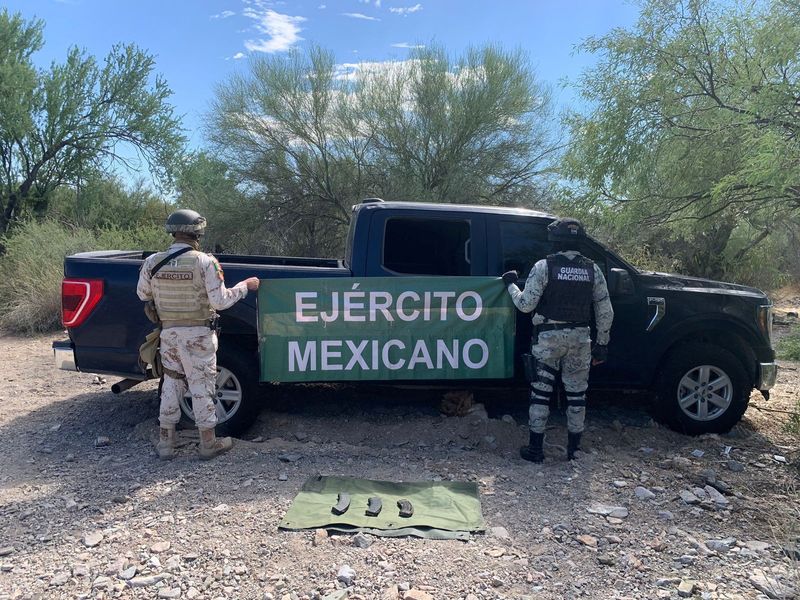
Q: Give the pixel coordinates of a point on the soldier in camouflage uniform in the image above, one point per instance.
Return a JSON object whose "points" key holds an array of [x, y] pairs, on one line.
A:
{"points": [[562, 289], [187, 291]]}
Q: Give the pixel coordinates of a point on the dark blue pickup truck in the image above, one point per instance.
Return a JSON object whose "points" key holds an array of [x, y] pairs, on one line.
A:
{"points": [[701, 345]]}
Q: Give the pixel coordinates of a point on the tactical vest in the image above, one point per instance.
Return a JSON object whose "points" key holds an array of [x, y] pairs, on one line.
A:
{"points": [[569, 290], [180, 292]]}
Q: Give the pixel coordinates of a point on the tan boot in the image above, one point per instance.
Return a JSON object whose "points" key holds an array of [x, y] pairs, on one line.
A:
{"points": [[211, 445], [166, 443]]}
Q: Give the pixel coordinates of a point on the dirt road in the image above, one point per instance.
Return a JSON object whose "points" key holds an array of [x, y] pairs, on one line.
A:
{"points": [[86, 511]]}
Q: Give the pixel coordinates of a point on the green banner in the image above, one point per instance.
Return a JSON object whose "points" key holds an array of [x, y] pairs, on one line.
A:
{"points": [[385, 328]]}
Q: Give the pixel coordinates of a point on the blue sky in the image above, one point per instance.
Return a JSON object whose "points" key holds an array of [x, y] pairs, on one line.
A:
{"points": [[199, 43]]}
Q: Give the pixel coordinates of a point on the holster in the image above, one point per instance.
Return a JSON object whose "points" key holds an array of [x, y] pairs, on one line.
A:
{"points": [[151, 313], [149, 353], [213, 324]]}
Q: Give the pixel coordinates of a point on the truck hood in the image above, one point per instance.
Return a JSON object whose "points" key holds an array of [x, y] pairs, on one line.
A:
{"points": [[686, 283]]}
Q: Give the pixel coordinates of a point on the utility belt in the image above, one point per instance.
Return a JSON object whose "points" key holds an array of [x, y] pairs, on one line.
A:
{"points": [[212, 324], [537, 329]]}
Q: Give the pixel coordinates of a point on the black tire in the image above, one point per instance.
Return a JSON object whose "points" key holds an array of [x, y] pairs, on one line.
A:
{"points": [[241, 380], [702, 388]]}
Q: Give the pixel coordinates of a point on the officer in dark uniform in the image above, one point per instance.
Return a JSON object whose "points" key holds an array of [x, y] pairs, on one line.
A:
{"points": [[563, 289]]}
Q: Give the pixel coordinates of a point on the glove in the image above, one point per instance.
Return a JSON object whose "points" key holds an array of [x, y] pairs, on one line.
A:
{"points": [[599, 353], [510, 277]]}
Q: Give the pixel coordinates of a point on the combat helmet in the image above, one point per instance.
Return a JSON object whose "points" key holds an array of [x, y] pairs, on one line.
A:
{"points": [[565, 230], [186, 221]]}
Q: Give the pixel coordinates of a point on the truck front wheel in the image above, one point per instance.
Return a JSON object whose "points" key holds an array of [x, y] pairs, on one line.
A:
{"points": [[236, 395], [702, 388]]}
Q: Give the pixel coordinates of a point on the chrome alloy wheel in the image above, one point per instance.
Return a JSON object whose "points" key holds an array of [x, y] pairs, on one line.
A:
{"points": [[705, 392], [227, 397]]}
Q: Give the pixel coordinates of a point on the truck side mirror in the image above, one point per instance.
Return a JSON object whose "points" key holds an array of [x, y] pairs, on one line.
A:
{"points": [[620, 283]]}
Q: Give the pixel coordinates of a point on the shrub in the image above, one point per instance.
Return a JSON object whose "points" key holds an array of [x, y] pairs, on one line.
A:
{"points": [[789, 347], [32, 268]]}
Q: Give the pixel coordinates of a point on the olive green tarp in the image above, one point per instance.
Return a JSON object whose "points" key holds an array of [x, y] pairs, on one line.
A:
{"points": [[442, 509]]}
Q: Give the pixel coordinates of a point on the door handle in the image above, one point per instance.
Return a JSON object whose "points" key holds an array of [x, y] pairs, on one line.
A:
{"points": [[661, 308]]}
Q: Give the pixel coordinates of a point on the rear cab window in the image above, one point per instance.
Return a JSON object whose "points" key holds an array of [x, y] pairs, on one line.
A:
{"points": [[432, 246]]}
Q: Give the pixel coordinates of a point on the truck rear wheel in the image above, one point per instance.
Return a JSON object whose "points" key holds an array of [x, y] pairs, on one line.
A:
{"points": [[236, 398], [702, 388]]}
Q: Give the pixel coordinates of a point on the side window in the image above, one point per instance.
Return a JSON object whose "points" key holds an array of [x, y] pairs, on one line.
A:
{"points": [[597, 255], [522, 245], [427, 246]]}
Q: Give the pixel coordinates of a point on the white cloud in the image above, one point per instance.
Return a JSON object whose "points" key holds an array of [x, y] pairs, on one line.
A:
{"points": [[223, 15], [360, 16], [406, 10], [239, 55], [408, 46], [351, 71], [322, 6], [283, 30]]}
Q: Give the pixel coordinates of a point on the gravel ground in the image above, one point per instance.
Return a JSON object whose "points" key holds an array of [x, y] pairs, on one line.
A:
{"points": [[86, 510]]}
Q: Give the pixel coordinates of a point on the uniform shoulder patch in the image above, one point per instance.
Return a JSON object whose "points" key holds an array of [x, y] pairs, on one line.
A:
{"points": [[217, 268]]}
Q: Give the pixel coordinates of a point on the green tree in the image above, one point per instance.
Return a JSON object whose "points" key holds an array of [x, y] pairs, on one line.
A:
{"points": [[693, 130], [310, 139], [56, 124]]}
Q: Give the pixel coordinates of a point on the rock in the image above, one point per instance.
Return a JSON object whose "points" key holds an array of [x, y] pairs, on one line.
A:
{"points": [[646, 450], [340, 595], [496, 582], [721, 545], [169, 592], [192, 593], [390, 593], [290, 457], [588, 540], [620, 483], [698, 453], [665, 515], [681, 462], [499, 532], [101, 441], [508, 419], [618, 512], [60, 578], [320, 537], [128, 573], [346, 575], [668, 582], [708, 475], [80, 570], [689, 498], [221, 508], [613, 539], [146, 581], [771, 586], [361, 541], [103, 582], [495, 552], [90, 540], [686, 588], [716, 497], [282, 476], [687, 559], [6, 550], [160, 547], [735, 466], [606, 559], [416, 594], [756, 546], [779, 459], [70, 457], [643, 493]]}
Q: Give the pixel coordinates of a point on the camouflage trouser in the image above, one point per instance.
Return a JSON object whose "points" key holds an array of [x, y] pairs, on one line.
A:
{"points": [[571, 350], [191, 351]]}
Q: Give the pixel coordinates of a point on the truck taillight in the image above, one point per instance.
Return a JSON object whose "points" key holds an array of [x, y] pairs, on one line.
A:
{"points": [[78, 299]]}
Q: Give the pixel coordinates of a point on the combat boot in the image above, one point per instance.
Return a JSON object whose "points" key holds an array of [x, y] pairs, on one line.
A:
{"points": [[534, 451], [211, 445], [573, 444], [166, 443]]}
